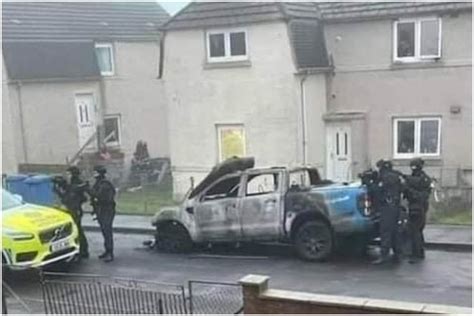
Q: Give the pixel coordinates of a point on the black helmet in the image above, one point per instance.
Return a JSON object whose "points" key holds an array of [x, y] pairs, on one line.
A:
{"points": [[74, 171], [100, 170], [379, 163], [417, 163], [387, 164]]}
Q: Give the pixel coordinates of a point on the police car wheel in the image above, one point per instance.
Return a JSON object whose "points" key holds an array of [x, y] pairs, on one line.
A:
{"points": [[173, 238], [313, 241]]}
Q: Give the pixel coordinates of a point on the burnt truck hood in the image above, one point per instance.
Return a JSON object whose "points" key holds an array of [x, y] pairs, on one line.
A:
{"points": [[228, 166]]}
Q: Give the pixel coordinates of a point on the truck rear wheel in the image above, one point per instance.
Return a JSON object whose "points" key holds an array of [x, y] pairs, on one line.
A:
{"points": [[313, 241], [173, 238]]}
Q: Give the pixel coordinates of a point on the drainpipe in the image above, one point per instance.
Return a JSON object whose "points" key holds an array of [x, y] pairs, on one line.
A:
{"points": [[22, 123], [101, 111], [303, 117]]}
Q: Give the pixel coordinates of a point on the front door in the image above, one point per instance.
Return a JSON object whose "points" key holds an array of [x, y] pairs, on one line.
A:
{"points": [[339, 152], [217, 211], [85, 112], [262, 205]]}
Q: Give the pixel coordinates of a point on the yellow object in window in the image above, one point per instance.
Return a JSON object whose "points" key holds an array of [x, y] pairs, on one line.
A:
{"points": [[232, 143]]}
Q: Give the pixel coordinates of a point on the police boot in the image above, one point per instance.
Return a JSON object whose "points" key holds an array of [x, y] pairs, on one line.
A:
{"points": [[103, 255], [414, 259], [109, 257], [384, 258], [381, 260], [396, 258]]}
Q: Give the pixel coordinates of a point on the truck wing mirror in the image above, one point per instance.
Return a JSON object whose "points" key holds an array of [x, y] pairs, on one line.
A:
{"points": [[190, 210]]}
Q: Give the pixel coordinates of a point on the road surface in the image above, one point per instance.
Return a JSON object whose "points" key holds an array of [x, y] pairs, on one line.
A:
{"points": [[444, 277]]}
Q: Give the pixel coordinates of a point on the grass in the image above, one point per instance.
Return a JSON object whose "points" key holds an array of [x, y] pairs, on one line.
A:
{"points": [[146, 201], [458, 217]]}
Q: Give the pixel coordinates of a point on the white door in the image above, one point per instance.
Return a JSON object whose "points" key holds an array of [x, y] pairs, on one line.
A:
{"points": [[339, 152], [85, 110]]}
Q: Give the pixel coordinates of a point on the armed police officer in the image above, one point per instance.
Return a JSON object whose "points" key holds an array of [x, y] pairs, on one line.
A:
{"points": [[71, 192], [417, 192], [390, 189], [102, 196]]}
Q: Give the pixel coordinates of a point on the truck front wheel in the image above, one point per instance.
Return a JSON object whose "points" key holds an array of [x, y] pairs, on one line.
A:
{"points": [[173, 238], [313, 241]]}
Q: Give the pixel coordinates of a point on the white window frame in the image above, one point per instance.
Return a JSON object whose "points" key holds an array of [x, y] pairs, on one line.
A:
{"points": [[416, 152], [227, 57], [112, 58], [418, 57], [119, 127], [219, 128]]}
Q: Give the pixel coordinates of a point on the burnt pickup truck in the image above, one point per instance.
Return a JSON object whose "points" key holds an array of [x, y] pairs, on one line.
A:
{"points": [[237, 203]]}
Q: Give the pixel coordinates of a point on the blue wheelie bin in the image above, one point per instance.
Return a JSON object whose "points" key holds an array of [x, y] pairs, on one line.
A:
{"points": [[40, 190], [16, 184]]}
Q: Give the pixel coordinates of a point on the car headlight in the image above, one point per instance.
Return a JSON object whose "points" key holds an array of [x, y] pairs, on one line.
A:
{"points": [[17, 235]]}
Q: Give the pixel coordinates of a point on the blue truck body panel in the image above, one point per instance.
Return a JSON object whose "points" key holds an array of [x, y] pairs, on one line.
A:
{"points": [[341, 201]]}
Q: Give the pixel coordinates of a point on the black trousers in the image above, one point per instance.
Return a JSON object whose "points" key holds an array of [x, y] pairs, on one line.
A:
{"points": [[417, 220], [106, 219], [389, 232], [83, 244]]}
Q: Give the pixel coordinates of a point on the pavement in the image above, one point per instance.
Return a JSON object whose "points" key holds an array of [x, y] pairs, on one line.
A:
{"points": [[443, 278], [443, 237]]}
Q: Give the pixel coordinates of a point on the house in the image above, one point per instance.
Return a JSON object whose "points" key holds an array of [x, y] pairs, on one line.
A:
{"points": [[80, 75], [334, 85], [401, 86], [244, 79]]}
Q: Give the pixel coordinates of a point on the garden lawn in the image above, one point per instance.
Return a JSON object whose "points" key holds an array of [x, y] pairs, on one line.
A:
{"points": [[146, 201], [462, 217]]}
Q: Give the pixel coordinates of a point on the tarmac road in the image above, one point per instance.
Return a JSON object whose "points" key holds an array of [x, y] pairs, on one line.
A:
{"points": [[443, 278]]}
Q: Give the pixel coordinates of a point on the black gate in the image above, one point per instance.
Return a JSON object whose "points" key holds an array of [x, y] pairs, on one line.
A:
{"points": [[95, 294], [215, 298]]}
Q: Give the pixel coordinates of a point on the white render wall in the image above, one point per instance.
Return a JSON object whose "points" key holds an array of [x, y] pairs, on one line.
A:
{"points": [[316, 107], [49, 118], [264, 97], [136, 93], [9, 153]]}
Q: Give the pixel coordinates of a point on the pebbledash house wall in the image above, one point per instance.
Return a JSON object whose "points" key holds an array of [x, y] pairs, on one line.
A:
{"points": [[134, 92], [261, 94], [48, 111], [9, 153], [367, 80]]}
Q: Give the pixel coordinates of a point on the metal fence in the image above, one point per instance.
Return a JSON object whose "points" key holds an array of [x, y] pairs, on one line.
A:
{"points": [[94, 294], [215, 298], [66, 293]]}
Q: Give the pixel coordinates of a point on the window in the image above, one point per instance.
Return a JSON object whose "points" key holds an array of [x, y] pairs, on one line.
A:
{"points": [[417, 137], [417, 40], [262, 184], [302, 178], [105, 59], [225, 188], [225, 46], [112, 130], [83, 112], [231, 141]]}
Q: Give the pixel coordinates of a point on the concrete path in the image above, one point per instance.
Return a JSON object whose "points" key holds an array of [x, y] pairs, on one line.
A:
{"points": [[455, 237]]}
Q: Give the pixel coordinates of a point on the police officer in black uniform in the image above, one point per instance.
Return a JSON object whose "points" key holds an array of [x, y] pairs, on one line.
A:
{"points": [[72, 195], [103, 201], [417, 192], [390, 193]]}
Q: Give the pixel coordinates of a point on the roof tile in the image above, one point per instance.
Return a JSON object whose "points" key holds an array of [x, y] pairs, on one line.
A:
{"points": [[81, 20]]}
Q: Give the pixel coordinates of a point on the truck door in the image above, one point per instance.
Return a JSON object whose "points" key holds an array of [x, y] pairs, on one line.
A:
{"points": [[217, 210], [262, 205]]}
